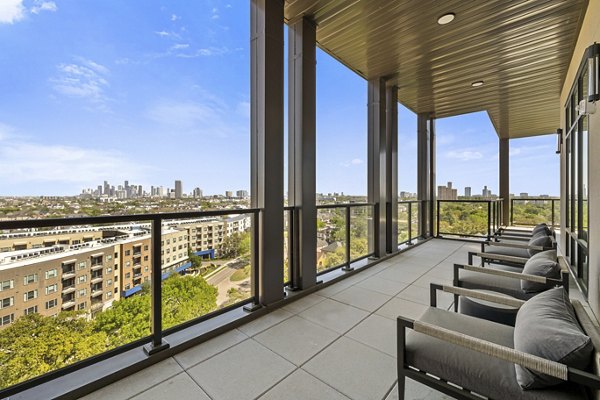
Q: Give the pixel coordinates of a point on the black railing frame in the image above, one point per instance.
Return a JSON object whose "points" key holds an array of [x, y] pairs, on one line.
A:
{"points": [[552, 200], [493, 217]]}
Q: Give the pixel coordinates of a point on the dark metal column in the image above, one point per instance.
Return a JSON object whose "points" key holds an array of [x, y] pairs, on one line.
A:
{"points": [[302, 149], [377, 163], [504, 181], [266, 121], [423, 172], [432, 178], [391, 163]]}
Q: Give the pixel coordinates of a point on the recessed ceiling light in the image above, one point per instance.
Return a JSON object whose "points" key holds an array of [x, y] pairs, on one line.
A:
{"points": [[477, 83], [446, 18]]}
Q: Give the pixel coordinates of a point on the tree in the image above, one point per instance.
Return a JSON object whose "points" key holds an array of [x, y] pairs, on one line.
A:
{"points": [[195, 260], [236, 245], [35, 344]]}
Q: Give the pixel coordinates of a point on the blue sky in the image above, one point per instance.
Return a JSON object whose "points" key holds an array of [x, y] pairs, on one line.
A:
{"points": [[153, 91]]}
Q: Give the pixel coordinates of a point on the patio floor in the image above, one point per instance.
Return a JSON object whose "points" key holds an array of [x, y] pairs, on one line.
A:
{"points": [[339, 343]]}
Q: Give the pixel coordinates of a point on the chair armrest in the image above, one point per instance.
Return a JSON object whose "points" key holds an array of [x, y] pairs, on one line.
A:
{"points": [[499, 257], [475, 294], [507, 274], [515, 245]]}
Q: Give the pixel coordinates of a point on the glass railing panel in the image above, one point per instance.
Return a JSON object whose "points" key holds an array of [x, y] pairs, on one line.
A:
{"points": [[463, 218], [415, 219], [533, 211], [64, 303], [403, 221], [360, 218], [331, 237]]}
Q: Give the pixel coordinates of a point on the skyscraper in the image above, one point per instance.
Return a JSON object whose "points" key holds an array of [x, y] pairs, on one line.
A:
{"points": [[468, 191], [178, 190]]}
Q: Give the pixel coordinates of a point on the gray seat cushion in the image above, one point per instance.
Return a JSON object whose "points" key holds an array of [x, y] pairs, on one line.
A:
{"points": [[500, 284], [546, 326], [483, 374], [507, 251], [539, 240], [543, 264]]}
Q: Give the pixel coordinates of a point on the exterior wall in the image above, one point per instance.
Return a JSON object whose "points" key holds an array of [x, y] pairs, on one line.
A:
{"points": [[590, 33], [135, 264], [75, 281], [174, 248]]}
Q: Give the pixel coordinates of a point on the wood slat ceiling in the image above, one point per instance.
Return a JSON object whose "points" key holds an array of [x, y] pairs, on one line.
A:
{"points": [[520, 49]]}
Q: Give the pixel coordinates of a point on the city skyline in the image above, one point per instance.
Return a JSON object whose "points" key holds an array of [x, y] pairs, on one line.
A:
{"points": [[173, 101]]}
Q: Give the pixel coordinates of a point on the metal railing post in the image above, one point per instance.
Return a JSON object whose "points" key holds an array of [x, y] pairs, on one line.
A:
{"points": [[409, 223], [489, 234], [347, 267], [437, 231], [254, 284], [292, 272], [552, 204], [512, 212], [158, 343]]}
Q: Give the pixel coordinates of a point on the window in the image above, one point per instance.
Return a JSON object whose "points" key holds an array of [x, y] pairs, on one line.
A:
{"points": [[128, 286], [109, 282], [146, 247], [145, 258], [31, 310], [108, 270], [32, 294], [109, 257], [82, 279], [7, 302], [128, 275], [146, 268], [116, 290], [116, 255], [51, 289], [76, 241], [128, 263], [7, 319], [82, 292], [51, 273], [82, 306], [51, 303], [127, 252], [31, 278], [108, 295], [82, 265], [6, 285]]}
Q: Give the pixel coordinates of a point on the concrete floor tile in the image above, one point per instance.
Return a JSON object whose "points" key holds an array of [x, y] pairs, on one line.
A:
{"points": [[380, 285], [356, 370], [377, 332], [302, 304], [138, 382], [301, 385], [242, 372], [180, 387], [296, 339], [201, 352], [265, 322], [334, 315], [397, 306], [364, 299]]}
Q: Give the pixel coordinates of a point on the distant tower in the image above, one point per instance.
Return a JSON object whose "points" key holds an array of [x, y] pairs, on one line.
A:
{"points": [[106, 188], [178, 190], [468, 191]]}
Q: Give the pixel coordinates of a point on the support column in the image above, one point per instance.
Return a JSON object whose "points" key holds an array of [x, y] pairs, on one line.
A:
{"points": [[391, 103], [302, 150], [504, 179], [432, 178], [423, 173], [266, 121], [377, 163]]}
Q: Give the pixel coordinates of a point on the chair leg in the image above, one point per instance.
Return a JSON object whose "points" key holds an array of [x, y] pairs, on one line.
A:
{"points": [[401, 387]]}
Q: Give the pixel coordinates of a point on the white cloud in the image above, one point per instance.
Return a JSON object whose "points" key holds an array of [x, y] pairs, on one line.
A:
{"points": [[175, 17], [204, 52], [11, 11], [85, 79], [180, 46], [39, 6], [166, 34], [215, 13], [6, 131], [465, 155], [22, 161], [354, 161]]}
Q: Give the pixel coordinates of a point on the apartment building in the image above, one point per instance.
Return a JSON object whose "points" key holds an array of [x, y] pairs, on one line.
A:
{"points": [[39, 239], [54, 279]]}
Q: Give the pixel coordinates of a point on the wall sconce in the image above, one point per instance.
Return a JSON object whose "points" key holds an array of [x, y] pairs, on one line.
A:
{"points": [[593, 56], [559, 140]]}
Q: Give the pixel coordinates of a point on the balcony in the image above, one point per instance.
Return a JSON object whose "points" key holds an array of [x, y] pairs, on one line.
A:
{"points": [[68, 305], [97, 279], [97, 267], [68, 275], [96, 292], [68, 289]]}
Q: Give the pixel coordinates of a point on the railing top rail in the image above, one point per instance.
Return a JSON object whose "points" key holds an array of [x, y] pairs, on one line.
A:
{"points": [[534, 198], [109, 219], [467, 201], [409, 201], [344, 205]]}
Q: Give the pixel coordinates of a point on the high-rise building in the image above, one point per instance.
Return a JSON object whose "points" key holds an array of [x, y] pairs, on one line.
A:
{"points": [[178, 190], [447, 192], [197, 193], [486, 192], [228, 194], [242, 194], [468, 191], [106, 188]]}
